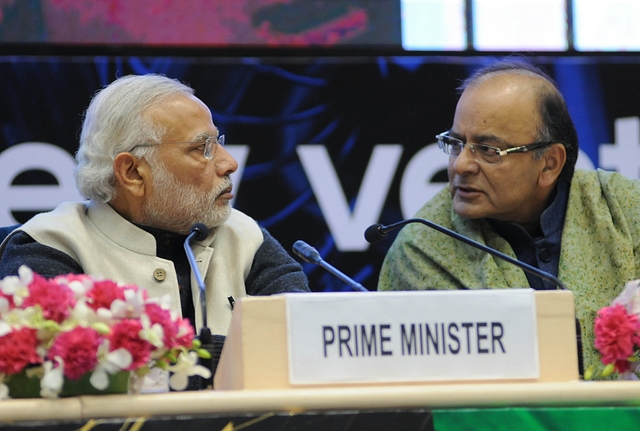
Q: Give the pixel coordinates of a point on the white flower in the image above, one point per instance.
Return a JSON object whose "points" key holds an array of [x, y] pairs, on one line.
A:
{"points": [[4, 328], [4, 305], [29, 316], [4, 389], [79, 288], [52, 381], [26, 275], [109, 363], [154, 334], [131, 307], [15, 287], [82, 314], [186, 366], [630, 297], [165, 302], [104, 315]]}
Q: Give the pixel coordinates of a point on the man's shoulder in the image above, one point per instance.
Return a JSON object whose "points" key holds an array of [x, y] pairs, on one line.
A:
{"points": [[602, 176], [63, 213], [607, 182], [240, 219], [438, 207], [240, 224]]}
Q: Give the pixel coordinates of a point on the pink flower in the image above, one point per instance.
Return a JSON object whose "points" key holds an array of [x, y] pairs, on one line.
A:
{"points": [[17, 350], [176, 333], [186, 333], [55, 300], [103, 293], [617, 334], [78, 349], [622, 365], [163, 317], [125, 334]]}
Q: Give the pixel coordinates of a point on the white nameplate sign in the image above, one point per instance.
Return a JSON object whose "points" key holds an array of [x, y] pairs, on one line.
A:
{"points": [[358, 337]]}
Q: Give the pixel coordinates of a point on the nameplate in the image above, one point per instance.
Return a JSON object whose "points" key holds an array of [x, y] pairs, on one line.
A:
{"points": [[369, 337]]}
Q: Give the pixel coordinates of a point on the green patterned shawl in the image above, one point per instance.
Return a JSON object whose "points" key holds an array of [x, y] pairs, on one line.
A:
{"points": [[600, 249]]}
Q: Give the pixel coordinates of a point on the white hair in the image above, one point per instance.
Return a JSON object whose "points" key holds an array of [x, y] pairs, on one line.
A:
{"points": [[115, 122]]}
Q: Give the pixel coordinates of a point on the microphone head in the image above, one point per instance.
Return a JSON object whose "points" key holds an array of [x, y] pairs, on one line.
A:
{"points": [[374, 233], [306, 252], [200, 231]]}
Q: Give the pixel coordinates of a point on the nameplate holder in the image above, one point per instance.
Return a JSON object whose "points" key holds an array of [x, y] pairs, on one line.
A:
{"points": [[259, 349], [382, 337]]}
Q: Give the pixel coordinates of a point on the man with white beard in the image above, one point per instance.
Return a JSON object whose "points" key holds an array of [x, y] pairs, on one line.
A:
{"points": [[152, 164]]}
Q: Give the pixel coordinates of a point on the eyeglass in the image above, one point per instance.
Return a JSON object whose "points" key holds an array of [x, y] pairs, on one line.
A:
{"points": [[482, 153], [209, 143]]}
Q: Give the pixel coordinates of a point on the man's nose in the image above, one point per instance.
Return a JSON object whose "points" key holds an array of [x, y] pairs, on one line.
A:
{"points": [[466, 161], [225, 163]]}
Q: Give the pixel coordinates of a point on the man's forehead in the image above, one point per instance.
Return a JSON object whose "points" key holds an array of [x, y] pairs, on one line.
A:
{"points": [[503, 107], [175, 103]]}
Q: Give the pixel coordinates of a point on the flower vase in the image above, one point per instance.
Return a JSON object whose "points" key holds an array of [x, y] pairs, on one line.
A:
{"points": [[118, 384], [23, 386]]}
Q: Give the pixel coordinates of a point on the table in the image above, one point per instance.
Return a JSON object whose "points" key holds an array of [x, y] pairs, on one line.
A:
{"points": [[513, 406]]}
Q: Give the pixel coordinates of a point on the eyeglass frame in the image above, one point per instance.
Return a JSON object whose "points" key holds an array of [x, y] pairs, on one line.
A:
{"points": [[499, 152], [209, 144], [519, 149]]}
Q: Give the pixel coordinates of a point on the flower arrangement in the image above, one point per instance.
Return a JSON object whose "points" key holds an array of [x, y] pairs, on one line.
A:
{"points": [[72, 326], [617, 334]]}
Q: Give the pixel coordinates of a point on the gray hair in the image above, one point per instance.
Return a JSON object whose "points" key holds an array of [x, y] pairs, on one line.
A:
{"points": [[114, 123]]}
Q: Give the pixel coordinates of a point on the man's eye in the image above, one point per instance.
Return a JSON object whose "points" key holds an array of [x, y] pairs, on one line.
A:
{"points": [[489, 151], [199, 145]]}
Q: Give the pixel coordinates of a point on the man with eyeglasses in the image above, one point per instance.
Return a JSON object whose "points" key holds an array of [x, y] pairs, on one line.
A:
{"points": [[152, 164], [512, 149]]}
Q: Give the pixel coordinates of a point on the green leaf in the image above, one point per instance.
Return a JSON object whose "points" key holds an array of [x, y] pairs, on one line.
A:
{"points": [[608, 370], [204, 354], [588, 373]]}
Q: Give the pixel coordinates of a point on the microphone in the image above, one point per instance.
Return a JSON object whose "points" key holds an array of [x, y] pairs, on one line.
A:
{"points": [[378, 232], [311, 255], [199, 232]]}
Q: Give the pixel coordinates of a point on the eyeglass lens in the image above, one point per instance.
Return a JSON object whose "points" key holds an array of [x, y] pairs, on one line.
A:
{"points": [[453, 147], [210, 146]]}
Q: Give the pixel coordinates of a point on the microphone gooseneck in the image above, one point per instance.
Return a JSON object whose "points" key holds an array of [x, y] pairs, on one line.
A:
{"points": [[306, 252], [311, 255], [199, 232], [378, 232]]}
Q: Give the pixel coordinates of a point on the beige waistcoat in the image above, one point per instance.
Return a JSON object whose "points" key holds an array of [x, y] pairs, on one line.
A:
{"points": [[106, 245]]}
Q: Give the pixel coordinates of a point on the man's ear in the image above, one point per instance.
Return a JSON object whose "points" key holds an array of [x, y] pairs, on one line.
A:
{"points": [[131, 173], [555, 158]]}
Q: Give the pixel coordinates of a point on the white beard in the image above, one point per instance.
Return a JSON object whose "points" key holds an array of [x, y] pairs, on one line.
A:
{"points": [[176, 207]]}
